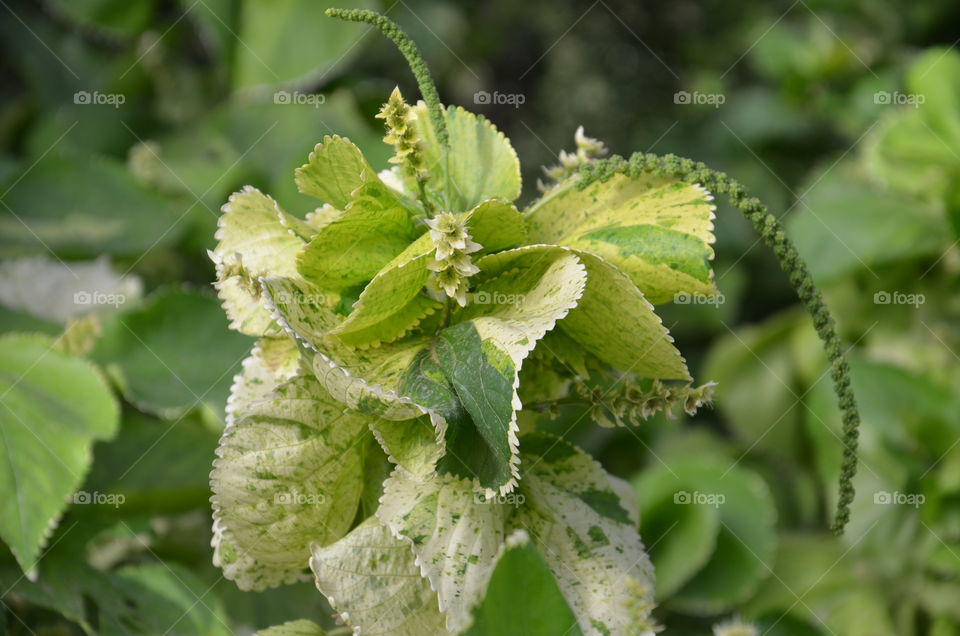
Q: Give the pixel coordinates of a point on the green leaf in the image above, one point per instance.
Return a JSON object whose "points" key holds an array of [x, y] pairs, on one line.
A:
{"points": [[291, 43], [301, 627], [146, 599], [846, 224], [936, 76], [390, 305], [522, 598], [252, 242], [743, 555], [54, 407], [146, 448], [373, 229], [334, 170], [657, 230], [455, 534], [107, 18], [482, 353], [585, 530], [288, 473], [371, 579], [82, 208], [683, 537], [172, 354], [479, 163], [68, 290]]}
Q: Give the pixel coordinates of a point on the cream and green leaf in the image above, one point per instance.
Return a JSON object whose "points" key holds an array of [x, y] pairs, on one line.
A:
{"points": [[371, 579], [657, 230], [289, 471], [252, 242]]}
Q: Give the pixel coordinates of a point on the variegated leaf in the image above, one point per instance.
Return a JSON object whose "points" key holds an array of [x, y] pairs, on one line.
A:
{"points": [[455, 534], [334, 169], [584, 527], [479, 163], [300, 627], [289, 472], [252, 242], [370, 578], [641, 345], [272, 362], [657, 230]]}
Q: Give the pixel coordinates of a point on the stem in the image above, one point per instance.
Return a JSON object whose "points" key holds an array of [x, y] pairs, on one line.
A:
{"points": [[773, 235], [410, 51]]}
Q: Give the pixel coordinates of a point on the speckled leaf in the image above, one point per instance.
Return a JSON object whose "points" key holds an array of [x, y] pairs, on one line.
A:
{"points": [[374, 228], [657, 230], [252, 242], [299, 307], [272, 362], [481, 355], [455, 534], [479, 164], [302, 627], [641, 344], [334, 169], [583, 527], [415, 444], [289, 472], [391, 304], [371, 579]]}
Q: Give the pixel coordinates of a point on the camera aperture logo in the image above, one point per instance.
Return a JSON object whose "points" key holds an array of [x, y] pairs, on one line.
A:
{"points": [[96, 98], [84, 498], [884, 498], [299, 98], [499, 99], [697, 498], [299, 499]]}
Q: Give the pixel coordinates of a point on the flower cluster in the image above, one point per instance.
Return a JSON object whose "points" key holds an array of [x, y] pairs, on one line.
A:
{"points": [[397, 116], [588, 149], [633, 402], [451, 261]]}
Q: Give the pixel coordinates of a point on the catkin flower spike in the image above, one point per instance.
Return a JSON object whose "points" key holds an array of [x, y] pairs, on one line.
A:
{"points": [[451, 262]]}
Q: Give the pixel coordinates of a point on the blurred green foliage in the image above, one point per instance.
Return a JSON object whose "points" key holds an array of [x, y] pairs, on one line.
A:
{"points": [[124, 126]]}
